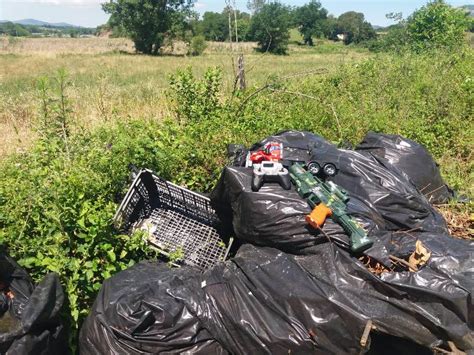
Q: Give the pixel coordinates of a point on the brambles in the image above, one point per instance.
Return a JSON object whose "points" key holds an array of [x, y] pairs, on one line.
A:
{"points": [[196, 99]]}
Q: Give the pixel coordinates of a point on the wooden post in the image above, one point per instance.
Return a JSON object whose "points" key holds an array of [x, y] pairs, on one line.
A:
{"points": [[241, 71]]}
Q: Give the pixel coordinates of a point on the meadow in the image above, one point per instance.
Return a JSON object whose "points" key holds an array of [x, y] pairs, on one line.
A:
{"points": [[108, 80], [74, 113]]}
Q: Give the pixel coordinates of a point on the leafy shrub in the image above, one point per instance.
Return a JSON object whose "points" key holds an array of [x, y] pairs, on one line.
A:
{"points": [[197, 46], [56, 206], [437, 25], [196, 99]]}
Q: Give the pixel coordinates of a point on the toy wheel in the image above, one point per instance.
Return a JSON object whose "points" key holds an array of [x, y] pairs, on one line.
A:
{"points": [[330, 169], [314, 168]]}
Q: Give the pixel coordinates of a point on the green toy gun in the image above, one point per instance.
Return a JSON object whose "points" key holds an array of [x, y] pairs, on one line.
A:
{"points": [[328, 200]]}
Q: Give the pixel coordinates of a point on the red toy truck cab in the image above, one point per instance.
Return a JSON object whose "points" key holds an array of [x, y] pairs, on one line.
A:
{"points": [[273, 151]]}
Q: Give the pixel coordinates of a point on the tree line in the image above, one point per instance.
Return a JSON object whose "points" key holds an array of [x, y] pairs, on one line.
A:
{"points": [[150, 24], [18, 30]]}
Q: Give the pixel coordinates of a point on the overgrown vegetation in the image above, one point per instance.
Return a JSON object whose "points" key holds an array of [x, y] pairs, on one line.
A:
{"points": [[57, 199], [433, 26]]}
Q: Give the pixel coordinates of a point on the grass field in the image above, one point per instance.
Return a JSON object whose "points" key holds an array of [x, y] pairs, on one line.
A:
{"points": [[108, 80]]}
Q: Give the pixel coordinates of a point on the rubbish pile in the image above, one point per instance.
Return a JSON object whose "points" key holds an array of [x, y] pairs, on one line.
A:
{"points": [[30, 315], [350, 257]]}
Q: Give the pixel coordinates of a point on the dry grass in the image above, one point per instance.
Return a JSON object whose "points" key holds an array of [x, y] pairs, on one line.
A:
{"points": [[54, 46], [109, 81], [460, 219]]}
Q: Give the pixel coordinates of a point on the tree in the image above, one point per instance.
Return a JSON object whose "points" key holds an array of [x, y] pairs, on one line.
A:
{"points": [[148, 22], [214, 26], [436, 24], [329, 27], [255, 5], [270, 28], [310, 20], [354, 27]]}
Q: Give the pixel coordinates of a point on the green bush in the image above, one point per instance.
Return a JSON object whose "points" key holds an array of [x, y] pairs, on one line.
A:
{"points": [[197, 46], [57, 201], [195, 99], [437, 25]]}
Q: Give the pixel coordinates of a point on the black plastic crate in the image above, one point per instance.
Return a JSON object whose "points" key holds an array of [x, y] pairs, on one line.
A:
{"points": [[175, 219]]}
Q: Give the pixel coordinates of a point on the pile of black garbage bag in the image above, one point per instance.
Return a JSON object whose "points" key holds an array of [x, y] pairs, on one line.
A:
{"points": [[30, 321], [292, 289]]}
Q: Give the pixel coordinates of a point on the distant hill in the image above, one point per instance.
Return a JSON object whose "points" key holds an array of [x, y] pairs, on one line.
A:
{"points": [[33, 22]]}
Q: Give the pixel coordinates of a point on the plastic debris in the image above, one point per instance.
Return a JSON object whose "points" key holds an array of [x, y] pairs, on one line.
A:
{"points": [[293, 289], [30, 318]]}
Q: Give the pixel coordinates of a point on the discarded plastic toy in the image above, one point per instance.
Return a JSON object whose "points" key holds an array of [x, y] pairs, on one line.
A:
{"points": [[273, 151], [270, 171], [328, 200], [327, 169]]}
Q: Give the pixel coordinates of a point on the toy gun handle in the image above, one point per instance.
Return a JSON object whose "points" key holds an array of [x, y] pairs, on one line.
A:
{"points": [[360, 242], [359, 239], [318, 216]]}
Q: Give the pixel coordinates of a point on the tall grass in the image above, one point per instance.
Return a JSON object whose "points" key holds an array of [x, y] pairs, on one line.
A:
{"points": [[116, 84]]}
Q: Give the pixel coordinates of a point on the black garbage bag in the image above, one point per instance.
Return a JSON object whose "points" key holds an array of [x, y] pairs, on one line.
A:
{"points": [[413, 159], [30, 318], [265, 301], [382, 199], [317, 301], [148, 308]]}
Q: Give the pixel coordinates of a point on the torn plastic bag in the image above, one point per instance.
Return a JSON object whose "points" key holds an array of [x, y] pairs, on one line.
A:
{"points": [[267, 302], [382, 199], [30, 324], [413, 159]]}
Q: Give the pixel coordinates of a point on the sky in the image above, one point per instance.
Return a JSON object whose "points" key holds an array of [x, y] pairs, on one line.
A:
{"points": [[88, 13]]}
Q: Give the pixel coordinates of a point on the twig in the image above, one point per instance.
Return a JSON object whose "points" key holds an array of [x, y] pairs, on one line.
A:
{"points": [[337, 121], [403, 262], [408, 231], [437, 189], [365, 334], [255, 93], [292, 93], [425, 187], [325, 234]]}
